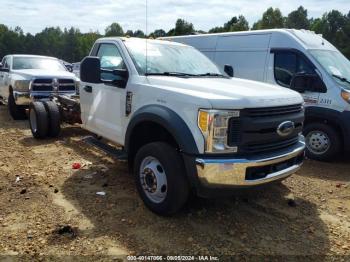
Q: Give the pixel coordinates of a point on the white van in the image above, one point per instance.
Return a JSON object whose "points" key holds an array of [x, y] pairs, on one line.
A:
{"points": [[296, 59]]}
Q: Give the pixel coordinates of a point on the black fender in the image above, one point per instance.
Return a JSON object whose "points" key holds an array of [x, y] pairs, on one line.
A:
{"points": [[169, 120], [333, 117]]}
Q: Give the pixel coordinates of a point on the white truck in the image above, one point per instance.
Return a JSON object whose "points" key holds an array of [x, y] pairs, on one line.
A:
{"points": [[181, 123], [297, 59], [24, 78]]}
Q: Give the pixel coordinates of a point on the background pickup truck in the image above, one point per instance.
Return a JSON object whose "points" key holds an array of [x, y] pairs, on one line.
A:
{"points": [[181, 123], [24, 78]]}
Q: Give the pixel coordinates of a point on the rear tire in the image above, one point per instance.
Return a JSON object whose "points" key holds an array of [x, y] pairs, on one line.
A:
{"points": [[323, 142], [16, 112], [38, 120], [161, 178], [54, 118]]}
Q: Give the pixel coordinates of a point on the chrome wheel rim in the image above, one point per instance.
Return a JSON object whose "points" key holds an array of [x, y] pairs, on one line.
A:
{"points": [[153, 179], [317, 142], [33, 121]]}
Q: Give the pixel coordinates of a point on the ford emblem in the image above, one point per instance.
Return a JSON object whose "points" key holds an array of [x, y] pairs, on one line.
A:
{"points": [[285, 128]]}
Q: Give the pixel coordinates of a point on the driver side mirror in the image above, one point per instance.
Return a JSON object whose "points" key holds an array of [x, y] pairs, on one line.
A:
{"points": [[308, 82], [91, 72], [229, 70]]}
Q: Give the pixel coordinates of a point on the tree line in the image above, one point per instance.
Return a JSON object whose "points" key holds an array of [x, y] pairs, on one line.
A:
{"points": [[72, 45]]}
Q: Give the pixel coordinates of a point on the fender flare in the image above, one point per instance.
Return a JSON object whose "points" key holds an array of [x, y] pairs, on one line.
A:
{"points": [[169, 120]]}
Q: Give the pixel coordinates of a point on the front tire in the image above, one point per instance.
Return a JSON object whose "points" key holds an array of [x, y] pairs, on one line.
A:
{"points": [[160, 178], [323, 142], [38, 120], [16, 112]]}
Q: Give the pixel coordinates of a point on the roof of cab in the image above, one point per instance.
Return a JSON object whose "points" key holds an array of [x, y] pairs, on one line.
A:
{"points": [[135, 39], [38, 56]]}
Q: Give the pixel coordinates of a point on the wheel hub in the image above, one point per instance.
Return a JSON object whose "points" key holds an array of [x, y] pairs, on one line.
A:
{"points": [[153, 179], [318, 142]]}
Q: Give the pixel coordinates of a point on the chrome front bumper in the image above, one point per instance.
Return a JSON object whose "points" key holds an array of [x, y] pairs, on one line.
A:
{"points": [[24, 98], [221, 172]]}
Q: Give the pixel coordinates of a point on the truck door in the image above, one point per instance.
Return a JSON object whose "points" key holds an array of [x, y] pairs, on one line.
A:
{"points": [[288, 63], [4, 78], [103, 105]]}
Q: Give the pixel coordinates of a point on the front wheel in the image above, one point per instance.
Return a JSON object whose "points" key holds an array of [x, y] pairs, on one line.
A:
{"points": [[16, 112], [322, 141], [160, 178]]}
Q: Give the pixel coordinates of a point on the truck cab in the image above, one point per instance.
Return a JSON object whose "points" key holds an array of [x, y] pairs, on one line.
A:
{"points": [[296, 59], [25, 78], [183, 124]]}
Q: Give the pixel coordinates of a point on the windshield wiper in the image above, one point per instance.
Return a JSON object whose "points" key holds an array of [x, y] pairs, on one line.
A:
{"points": [[213, 75], [343, 79], [179, 74]]}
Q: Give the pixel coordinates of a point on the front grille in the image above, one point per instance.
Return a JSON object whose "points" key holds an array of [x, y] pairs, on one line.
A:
{"points": [[42, 85], [48, 84], [256, 148], [66, 85], [274, 111], [255, 131]]}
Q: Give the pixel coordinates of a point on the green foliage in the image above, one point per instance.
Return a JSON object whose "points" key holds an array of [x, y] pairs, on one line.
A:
{"points": [[71, 45], [114, 30], [235, 24], [182, 27], [272, 18], [298, 19]]}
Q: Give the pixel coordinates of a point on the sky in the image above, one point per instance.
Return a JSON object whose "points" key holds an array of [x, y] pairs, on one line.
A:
{"points": [[91, 15]]}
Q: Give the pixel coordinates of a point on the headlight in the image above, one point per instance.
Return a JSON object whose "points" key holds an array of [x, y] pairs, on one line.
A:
{"points": [[22, 85], [214, 127], [345, 95]]}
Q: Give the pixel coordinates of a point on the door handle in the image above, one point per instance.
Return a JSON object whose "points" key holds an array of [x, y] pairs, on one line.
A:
{"points": [[88, 89]]}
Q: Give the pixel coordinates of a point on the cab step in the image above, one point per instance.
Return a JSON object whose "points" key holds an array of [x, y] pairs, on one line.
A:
{"points": [[117, 153]]}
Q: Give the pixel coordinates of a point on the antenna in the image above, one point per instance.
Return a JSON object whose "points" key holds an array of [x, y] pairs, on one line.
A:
{"points": [[146, 37]]}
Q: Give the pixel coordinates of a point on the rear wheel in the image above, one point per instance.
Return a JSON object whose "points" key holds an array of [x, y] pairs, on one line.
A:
{"points": [[38, 120], [160, 178], [54, 118], [322, 141], [16, 112]]}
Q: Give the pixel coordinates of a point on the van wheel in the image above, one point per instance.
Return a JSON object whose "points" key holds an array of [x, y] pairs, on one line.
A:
{"points": [[54, 118], [16, 112], [38, 120], [160, 178], [322, 141]]}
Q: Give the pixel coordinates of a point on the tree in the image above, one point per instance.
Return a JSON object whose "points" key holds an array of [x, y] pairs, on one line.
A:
{"points": [[182, 27], [114, 30], [298, 19], [129, 33], [158, 33], [235, 24], [272, 18], [139, 33]]}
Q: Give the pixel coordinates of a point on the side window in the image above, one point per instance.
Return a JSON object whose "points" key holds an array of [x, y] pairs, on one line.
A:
{"points": [[5, 63], [110, 59], [287, 64]]}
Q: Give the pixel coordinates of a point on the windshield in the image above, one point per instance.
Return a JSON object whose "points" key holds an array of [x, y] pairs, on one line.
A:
{"points": [[169, 58], [335, 64], [37, 63]]}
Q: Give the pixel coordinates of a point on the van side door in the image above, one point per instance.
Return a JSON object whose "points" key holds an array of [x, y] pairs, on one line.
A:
{"points": [[287, 63], [103, 104]]}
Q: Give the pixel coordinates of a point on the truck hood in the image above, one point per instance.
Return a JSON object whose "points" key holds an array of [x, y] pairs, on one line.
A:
{"points": [[32, 73], [234, 93]]}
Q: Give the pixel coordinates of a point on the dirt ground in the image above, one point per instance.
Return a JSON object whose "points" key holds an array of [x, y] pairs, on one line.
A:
{"points": [[50, 211]]}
